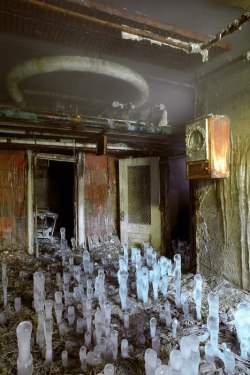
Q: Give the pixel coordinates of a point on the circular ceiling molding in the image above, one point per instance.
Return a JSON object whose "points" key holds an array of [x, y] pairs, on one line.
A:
{"points": [[74, 63]]}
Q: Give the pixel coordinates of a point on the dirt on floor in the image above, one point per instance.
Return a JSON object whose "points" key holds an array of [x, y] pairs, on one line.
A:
{"points": [[20, 269]]}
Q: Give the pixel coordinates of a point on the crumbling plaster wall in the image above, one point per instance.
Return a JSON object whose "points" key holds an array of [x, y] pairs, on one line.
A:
{"points": [[223, 206]]}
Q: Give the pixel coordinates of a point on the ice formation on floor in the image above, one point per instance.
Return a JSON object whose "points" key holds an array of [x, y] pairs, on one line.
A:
{"points": [[102, 343]]}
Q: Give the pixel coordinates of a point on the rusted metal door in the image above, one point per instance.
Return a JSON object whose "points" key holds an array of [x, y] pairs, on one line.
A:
{"points": [[140, 217]]}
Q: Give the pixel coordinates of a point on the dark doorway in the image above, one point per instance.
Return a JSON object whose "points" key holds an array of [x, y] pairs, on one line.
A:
{"points": [[180, 213], [179, 199], [61, 195]]}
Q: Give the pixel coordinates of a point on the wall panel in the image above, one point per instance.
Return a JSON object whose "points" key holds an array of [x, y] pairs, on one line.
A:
{"points": [[12, 197], [100, 192]]}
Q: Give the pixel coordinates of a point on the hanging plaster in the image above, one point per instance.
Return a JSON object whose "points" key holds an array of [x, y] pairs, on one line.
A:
{"points": [[139, 38], [224, 189], [242, 185], [229, 203], [222, 198], [187, 47], [214, 210], [202, 234], [196, 48]]}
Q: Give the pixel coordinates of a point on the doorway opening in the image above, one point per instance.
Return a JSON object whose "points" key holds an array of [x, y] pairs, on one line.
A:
{"points": [[180, 213], [54, 195], [61, 195]]}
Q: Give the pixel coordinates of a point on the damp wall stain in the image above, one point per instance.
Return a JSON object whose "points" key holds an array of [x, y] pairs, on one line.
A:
{"points": [[223, 206], [12, 197]]}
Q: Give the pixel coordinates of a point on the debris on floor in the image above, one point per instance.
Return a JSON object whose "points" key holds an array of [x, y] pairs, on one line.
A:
{"points": [[21, 268]]}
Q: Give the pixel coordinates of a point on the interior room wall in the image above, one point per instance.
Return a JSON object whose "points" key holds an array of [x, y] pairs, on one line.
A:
{"points": [[12, 197], [223, 206]]}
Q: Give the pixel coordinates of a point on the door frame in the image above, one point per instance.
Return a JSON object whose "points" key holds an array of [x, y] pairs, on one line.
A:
{"points": [[79, 195]]}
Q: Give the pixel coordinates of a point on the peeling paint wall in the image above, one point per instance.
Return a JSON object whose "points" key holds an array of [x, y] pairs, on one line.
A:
{"points": [[100, 193], [12, 197], [223, 206]]}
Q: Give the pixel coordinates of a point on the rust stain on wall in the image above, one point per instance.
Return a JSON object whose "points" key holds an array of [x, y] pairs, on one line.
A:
{"points": [[12, 195], [100, 195]]}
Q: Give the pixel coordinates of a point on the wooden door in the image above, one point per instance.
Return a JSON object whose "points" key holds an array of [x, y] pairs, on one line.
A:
{"points": [[140, 217]]}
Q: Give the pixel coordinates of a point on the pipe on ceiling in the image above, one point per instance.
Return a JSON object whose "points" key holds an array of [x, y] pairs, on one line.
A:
{"points": [[67, 122], [230, 29], [74, 63]]}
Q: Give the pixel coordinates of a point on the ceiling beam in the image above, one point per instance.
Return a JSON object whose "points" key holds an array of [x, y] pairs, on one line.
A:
{"points": [[230, 29], [146, 21], [138, 31]]}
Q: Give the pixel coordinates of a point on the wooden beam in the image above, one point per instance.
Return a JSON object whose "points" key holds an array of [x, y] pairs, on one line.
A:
{"points": [[129, 17], [145, 20]]}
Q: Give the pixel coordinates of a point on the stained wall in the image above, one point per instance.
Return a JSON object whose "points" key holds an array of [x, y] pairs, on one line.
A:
{"points": [[12, 197], [223, 206], [100, 195]]}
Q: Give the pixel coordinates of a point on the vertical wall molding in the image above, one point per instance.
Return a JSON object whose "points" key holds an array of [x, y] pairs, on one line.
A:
{"points": [[30, 202]]}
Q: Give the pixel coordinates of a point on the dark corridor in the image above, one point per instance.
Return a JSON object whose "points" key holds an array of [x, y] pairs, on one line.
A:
{"points": [[61, 195]]}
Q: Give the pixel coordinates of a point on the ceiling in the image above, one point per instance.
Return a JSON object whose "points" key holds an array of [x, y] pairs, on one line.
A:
{"points": [[157, 44]]}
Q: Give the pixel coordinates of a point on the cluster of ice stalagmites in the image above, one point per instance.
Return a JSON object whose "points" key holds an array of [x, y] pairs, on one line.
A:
{"points": [[80, 304], [157, 273], [184, 361], [77, 288]]}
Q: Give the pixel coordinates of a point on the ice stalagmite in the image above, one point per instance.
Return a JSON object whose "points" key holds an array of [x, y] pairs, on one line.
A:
{"points": [[4, 283], [228, 358], [156, 275], [24, 359], [48, 331], [124, 348], [39, 292], [242, 325], [177, 279], [150, 357], [176, 362], [123, 290], [213, 321], [198, 294], [152, 324], [18, 304]]}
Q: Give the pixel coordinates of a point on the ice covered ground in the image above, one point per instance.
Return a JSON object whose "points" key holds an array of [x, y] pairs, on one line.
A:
{"points": [[20, 269]]}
